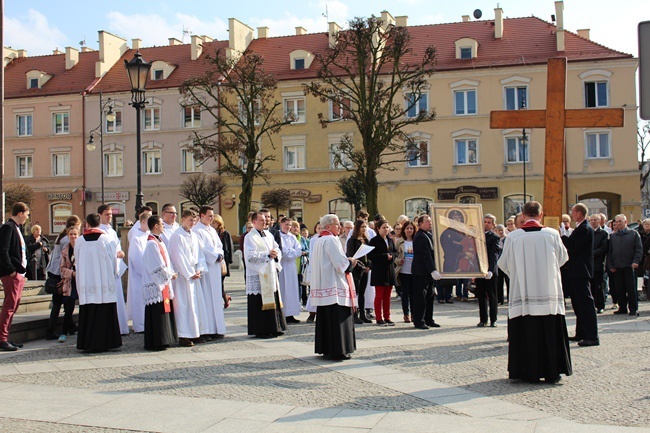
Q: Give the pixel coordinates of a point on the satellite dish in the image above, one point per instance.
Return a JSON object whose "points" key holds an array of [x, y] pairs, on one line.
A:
{"points": [[478, 14]]}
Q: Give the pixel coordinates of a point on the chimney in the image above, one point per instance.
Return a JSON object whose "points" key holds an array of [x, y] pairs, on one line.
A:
{"points": [[584, 33], [498, 23], [239, 36], [262, 32], [197, 47], [22, 53], [207, 39], [465, 18], [174, 41], [86, 49], [402, 21], [559, 21], [387, 20], [333, 31], [71, 57], [136, 43], [301, 31], [111, 48], [56, 51]]}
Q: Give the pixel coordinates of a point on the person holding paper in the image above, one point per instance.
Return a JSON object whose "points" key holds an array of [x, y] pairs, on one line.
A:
{"points": [[263, 255], [332, 292], [360, 271]]}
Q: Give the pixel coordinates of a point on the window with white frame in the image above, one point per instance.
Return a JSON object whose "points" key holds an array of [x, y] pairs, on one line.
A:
{"points": [[152, 162], [466, 151], [465, 53], [188, 162], [298, 63], [24, 125], [596, 94], [25, 166], [158, 74], [417, 153], [116, 124], [61, 123], [464, 102], [517, 150], [255, 111], [416, 104], [60, 164], [151, 118], [113, 164], [192, 116], [295, 107], [516, 97], [340, 109], [598, 144], [33, 83], [338, 159], [294, 157]]}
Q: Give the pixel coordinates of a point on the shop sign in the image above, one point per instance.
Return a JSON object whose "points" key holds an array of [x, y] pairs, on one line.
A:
{"points": [[59, 196], [114, 196], [487, 193]]}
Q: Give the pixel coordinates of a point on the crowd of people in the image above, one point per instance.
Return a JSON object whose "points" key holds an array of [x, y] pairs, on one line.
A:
{"points": [[343, 275]]}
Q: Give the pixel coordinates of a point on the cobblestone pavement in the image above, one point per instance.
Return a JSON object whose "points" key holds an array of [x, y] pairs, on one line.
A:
{"points": [[609, 386]]}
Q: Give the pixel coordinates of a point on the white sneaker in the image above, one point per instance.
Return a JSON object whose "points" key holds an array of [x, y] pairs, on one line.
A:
{"points": [[62, 338]]}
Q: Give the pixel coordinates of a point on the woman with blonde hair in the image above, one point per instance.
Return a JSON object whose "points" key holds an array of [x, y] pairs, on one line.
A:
{"points": [[228, 248]]}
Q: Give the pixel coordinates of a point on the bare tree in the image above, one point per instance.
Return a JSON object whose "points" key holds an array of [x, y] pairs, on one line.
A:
{"points": [[15, 192], [373, 77], [240, 96], [643, 138], [201, 189], [278, 198]]}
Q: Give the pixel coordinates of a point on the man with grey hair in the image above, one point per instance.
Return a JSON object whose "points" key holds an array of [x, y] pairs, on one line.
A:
{"points": [[486, 288], [624, 256], [332, 292], [601, 244], [348, 226], [603, 223]]}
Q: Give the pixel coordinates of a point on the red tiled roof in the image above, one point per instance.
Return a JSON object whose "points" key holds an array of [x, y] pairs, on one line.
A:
{"points": [[116, 79], [63, 81]]}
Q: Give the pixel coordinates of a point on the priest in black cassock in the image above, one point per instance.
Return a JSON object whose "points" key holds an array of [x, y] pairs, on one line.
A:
{"points": [[332, 292], [537, 334], [96, 268], [159, 325]]}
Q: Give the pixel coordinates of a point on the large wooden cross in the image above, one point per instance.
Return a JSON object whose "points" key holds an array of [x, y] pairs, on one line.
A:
{"points": [[555, 118]]}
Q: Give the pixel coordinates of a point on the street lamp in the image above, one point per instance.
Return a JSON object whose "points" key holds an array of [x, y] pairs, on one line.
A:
{"points": [[523, 140], [138, 71], [110, 116]]}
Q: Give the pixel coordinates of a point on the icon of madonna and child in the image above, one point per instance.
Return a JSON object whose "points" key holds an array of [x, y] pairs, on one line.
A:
{"points": [[460, 246]]}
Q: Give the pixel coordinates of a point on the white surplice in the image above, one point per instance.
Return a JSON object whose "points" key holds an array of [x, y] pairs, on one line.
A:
{"points": [[532, 260], [96, 270], [168, 231], [212, 250], [119, 293], [189, 305], [157, 273], [329, 285], [134, 230], [134, 295], [260, 268], [289, 289]]}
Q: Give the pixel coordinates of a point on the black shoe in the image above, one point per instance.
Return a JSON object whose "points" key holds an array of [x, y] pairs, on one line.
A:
{"points": [[291, 319], [620, 312], [7, 347], [51, 336], [217, 336], [589, 343], [264, 336], [389, 323], [600, 311], [185, 342], [366, 320], [449, 301], [421, 326], [631, 313], [18, 345], [481, 324], [432, 325], [358, 321], [493, 324], [440, 301], [575, 338], [279, 333]]}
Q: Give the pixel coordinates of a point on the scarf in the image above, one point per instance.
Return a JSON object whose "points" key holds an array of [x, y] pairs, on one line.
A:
{"points": [[165, 291]]}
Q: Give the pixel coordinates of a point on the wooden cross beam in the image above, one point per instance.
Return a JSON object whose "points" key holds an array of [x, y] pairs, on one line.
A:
{"points": [[555, 119]]}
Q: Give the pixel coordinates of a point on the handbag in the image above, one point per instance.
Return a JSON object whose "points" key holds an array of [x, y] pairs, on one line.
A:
{"points": [[224, 268], [52, 283], [306, 274]]}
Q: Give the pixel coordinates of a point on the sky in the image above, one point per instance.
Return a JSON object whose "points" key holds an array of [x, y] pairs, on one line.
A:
{"points": [[41, 26]]}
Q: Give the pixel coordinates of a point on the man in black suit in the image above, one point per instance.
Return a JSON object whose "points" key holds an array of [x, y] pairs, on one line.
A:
{"points": [[424, 271], [580, 271], [486, 288], [13, 265], [601, 246]]}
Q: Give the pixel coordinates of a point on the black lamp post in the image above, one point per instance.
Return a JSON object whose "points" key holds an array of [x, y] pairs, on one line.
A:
{"points": [[110, 116], [138, 70], [524, 142]]}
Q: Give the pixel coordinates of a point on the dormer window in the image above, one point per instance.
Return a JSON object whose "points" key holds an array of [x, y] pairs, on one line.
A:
{"points": [[158, 74], [300, 59], [36, 79], [466, 48], [161, 70]]}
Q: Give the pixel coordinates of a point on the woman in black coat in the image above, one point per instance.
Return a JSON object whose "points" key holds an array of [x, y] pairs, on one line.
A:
{"points": [[383, 271], [226, 241], [38, 254], [360, 271]]}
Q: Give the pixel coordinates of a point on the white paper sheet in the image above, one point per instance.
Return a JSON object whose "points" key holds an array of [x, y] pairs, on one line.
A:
{"points": [[362, 251]]}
